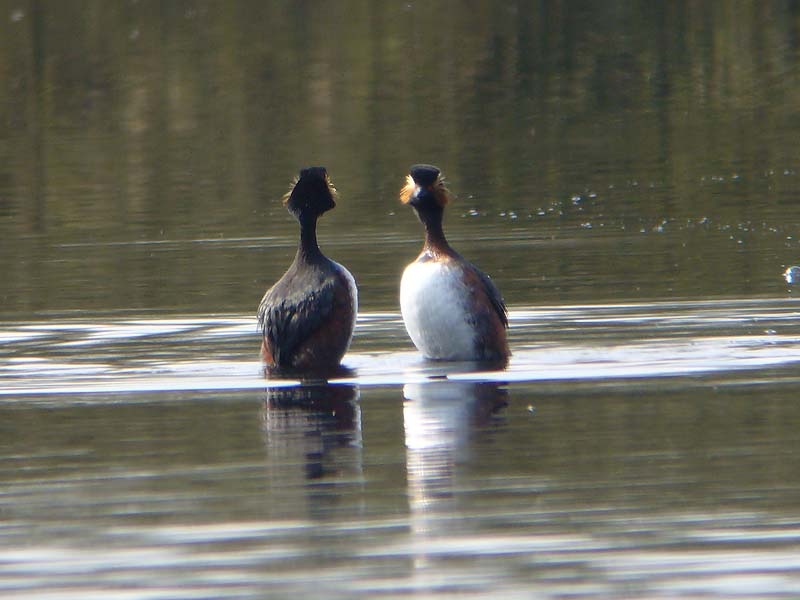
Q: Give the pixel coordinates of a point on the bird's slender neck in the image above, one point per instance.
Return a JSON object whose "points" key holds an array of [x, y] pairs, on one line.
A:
{"points": [[435, 241], [308, 249]]}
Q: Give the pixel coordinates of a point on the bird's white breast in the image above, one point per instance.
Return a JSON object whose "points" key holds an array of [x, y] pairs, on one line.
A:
{"points": [[433, 303]]}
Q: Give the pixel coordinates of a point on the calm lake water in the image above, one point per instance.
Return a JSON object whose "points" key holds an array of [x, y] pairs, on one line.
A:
{"points": [[626, 172]]}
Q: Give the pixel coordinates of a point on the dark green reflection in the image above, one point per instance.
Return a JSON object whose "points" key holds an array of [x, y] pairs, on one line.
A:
{"points": [[608, 150]]}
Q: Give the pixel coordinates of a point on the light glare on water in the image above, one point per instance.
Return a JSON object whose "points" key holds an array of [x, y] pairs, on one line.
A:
{"points": [[623, 341]]}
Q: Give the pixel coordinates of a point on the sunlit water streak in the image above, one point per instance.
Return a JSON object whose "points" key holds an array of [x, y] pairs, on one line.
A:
{"points": [[249, 559], [604, 342]]}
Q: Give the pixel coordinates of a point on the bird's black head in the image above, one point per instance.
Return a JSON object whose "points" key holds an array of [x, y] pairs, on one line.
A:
{"points": [[312, 193], [424, 188], [424, 174]]}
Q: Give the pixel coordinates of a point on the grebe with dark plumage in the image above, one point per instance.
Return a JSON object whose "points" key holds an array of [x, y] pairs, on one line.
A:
{"points": [[451, 309], [307, 318]]}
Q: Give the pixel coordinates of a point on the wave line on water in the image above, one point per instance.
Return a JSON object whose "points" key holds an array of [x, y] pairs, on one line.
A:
{"points": [[557, 343]]}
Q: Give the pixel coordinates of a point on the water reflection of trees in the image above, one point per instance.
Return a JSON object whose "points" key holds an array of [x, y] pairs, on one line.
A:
{"points": [[296, 73], [142, 119]]}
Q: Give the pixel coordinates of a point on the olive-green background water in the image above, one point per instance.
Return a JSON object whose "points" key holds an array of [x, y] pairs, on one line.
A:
{"points": [[599, 151]]}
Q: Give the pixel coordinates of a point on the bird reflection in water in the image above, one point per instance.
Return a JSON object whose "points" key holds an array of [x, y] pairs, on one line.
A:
{"points": [[313, 435], [440, 420]]}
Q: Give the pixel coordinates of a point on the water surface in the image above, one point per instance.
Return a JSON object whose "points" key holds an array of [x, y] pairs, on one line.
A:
{"points": [[626, 172], [627, 450]]}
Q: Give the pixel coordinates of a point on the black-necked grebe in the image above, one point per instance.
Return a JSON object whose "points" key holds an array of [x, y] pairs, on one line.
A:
{"points": [[451, 309], [307, 318]]}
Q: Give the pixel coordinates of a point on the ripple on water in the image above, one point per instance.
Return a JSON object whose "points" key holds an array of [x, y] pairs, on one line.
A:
{"points": [[243, 559], [592, 342]]}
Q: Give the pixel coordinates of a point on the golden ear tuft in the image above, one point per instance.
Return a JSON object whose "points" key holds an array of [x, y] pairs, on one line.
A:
{"points": [[408, 190], [288, 194], [433, 186], [331, 187], [441, 192]]}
